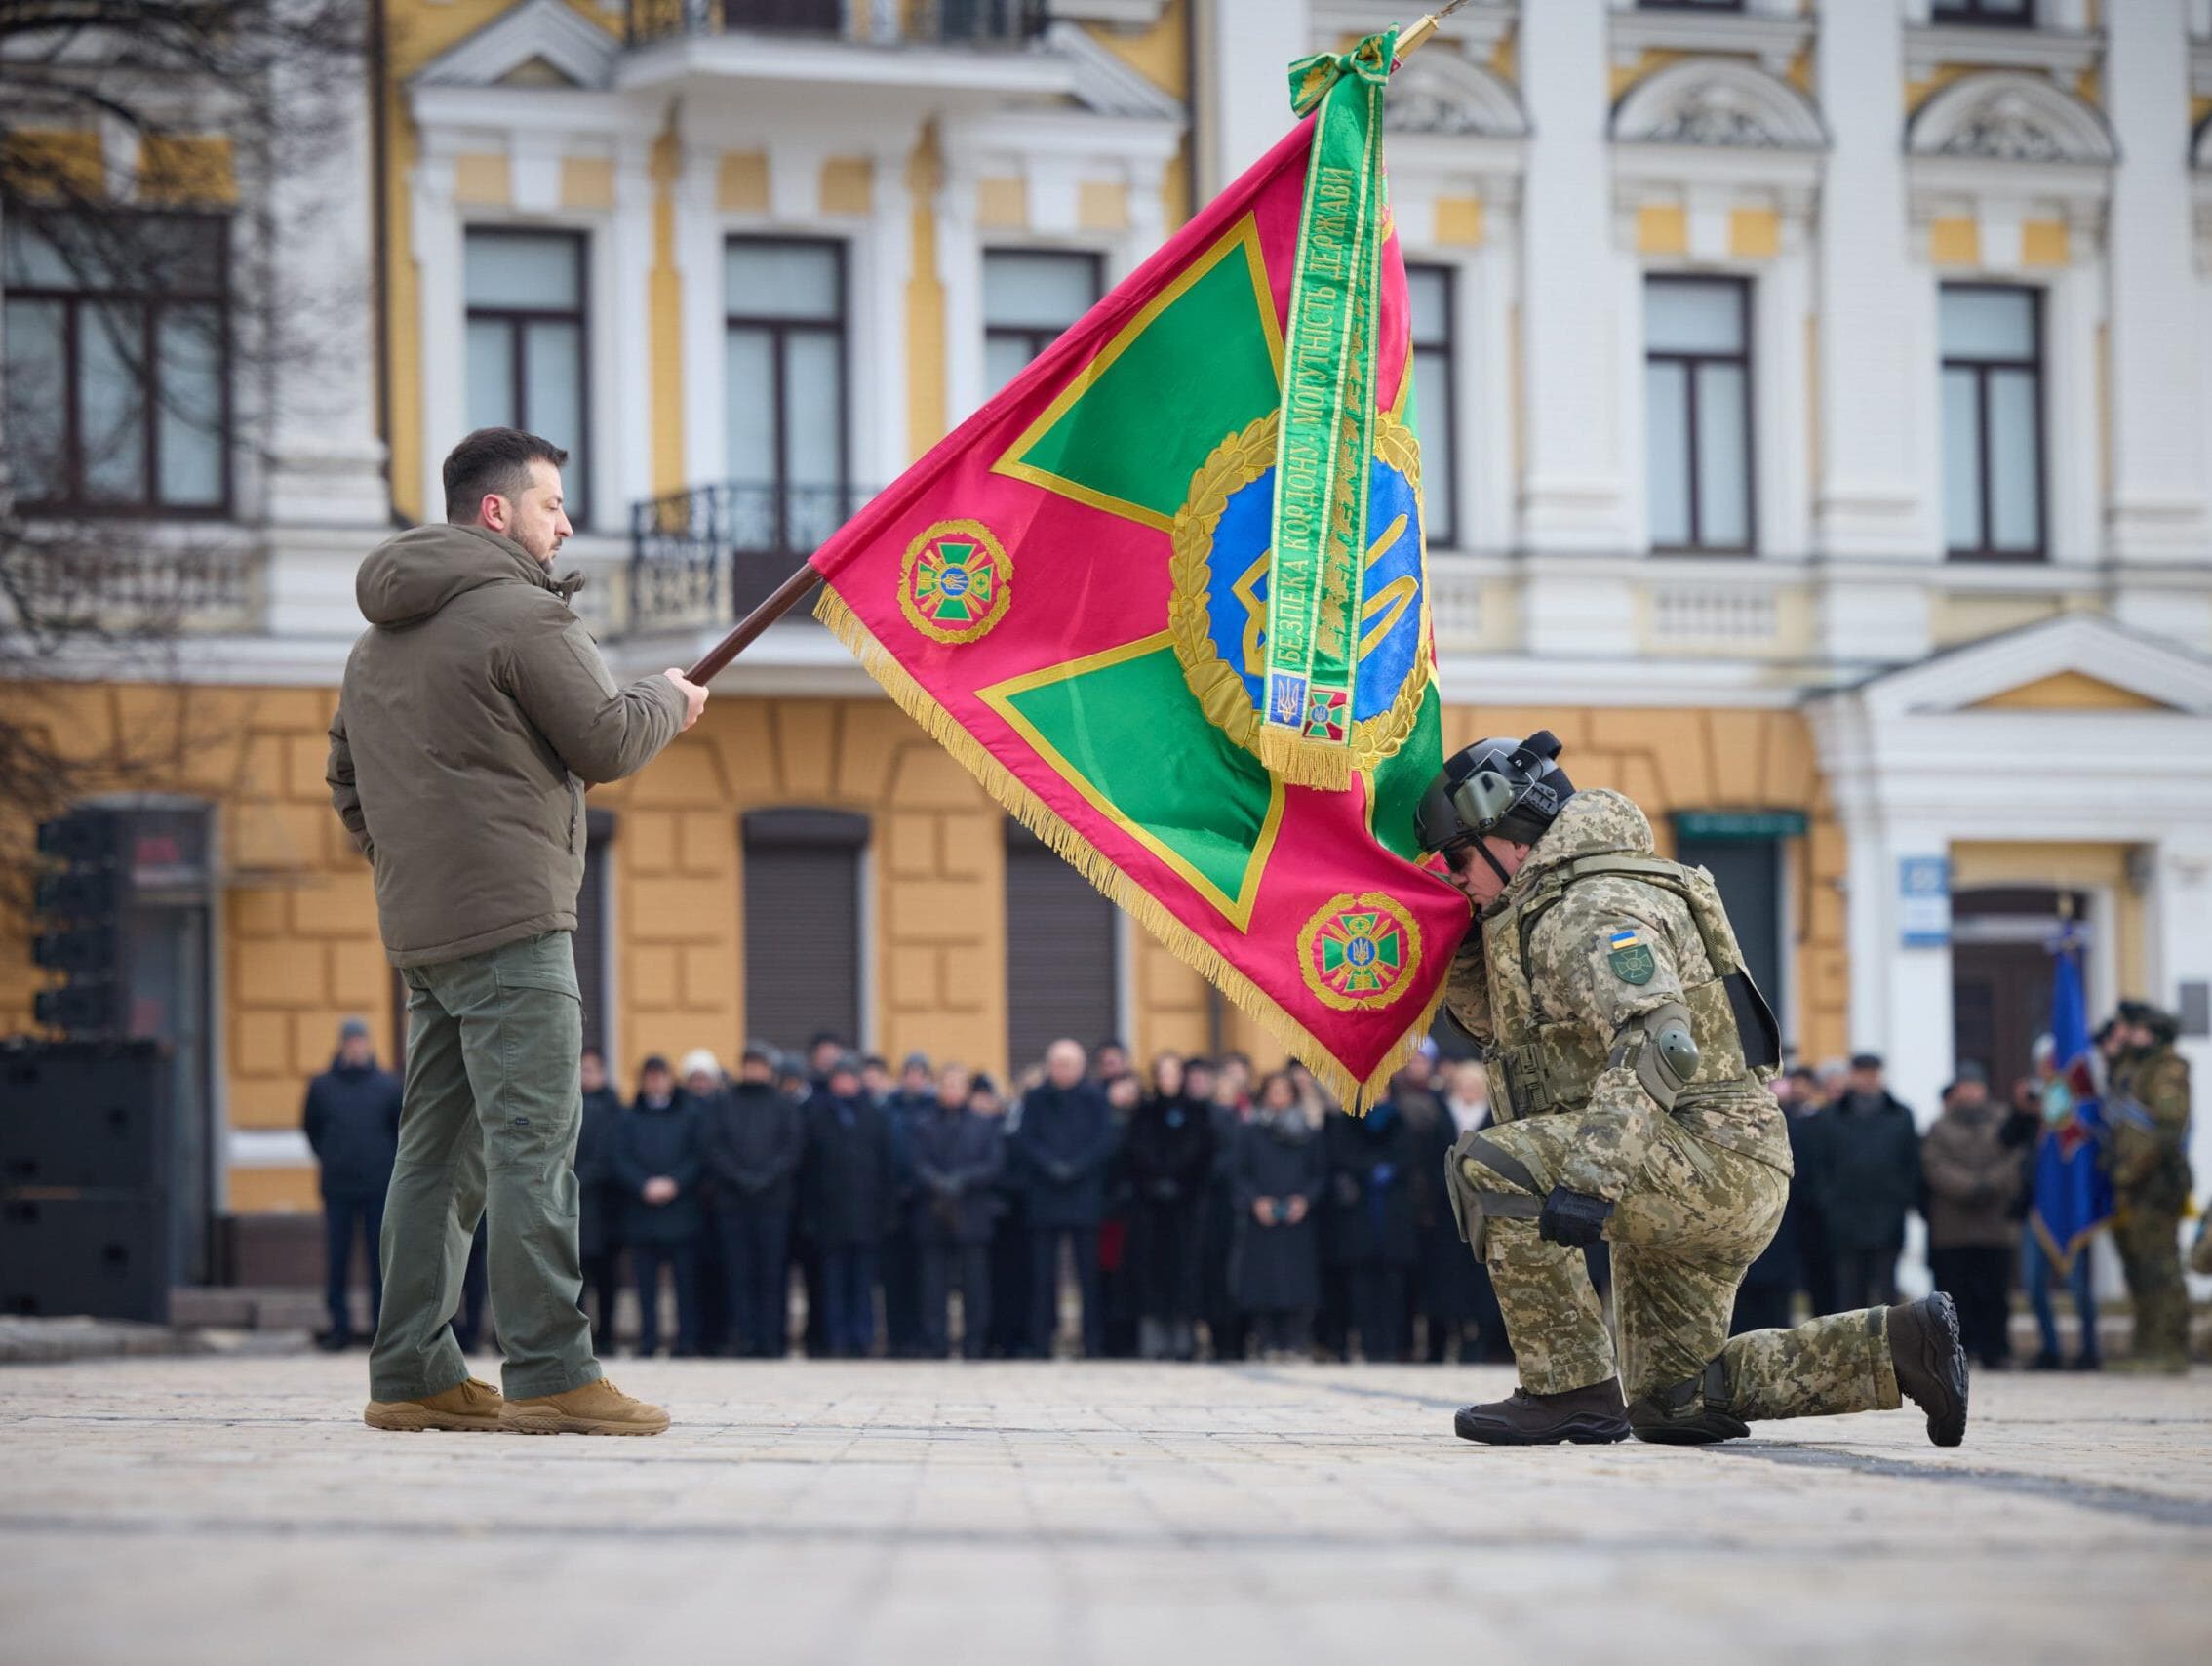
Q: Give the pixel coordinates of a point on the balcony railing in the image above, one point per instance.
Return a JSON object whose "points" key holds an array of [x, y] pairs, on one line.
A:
{"points": [[882, 23], [708, 555]]}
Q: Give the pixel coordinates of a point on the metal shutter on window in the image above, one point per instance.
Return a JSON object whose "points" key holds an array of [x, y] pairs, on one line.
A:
{"points": [[803, 924], [591, 927], [1061, 976]]}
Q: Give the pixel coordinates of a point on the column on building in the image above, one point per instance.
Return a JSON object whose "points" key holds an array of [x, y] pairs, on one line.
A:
{"points": [[325, 480], [1573, 496], [1244, 99], [2178, 914], [2158, 508], [1873, 335]]}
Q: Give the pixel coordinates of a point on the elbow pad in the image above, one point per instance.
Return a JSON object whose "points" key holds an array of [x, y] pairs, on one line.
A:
{"points": [[1661, 1048]]}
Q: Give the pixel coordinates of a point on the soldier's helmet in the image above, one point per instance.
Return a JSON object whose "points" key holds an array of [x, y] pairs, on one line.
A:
{"points": [[1512, 788]]}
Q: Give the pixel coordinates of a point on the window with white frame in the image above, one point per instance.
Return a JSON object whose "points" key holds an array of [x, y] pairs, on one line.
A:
{"points": [[1993, 421], [118, 362], [785, 351], [1029, 296], [1697, 412], [526, 298], [1435, 400]]}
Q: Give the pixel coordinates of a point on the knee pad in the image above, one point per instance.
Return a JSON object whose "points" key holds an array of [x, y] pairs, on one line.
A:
{"points": [[1694, 1412]]}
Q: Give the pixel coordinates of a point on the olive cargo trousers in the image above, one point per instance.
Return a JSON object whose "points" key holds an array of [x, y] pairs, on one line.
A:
{"points": [[491, 1107], [1689, 1219]]}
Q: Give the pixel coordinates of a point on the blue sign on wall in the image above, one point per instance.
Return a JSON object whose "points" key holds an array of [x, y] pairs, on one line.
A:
{"points": [[1923, 901]]}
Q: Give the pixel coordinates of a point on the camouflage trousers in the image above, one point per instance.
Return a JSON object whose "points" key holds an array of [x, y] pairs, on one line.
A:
{"points": [[2148, 1236], [1688, 1218]]}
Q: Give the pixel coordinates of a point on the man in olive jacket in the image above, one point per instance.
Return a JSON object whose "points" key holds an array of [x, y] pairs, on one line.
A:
{"points": [[475, 712]]}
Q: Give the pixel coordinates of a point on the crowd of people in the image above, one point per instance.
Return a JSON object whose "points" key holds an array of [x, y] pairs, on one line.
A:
{"points": [[1194, 1210], [1983, 1177]]}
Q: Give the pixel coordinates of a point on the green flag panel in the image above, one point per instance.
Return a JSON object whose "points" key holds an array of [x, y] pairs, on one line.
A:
{"points": [[1125, 731], [1202, 361]]}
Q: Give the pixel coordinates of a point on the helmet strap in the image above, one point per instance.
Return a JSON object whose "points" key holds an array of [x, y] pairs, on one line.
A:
{"points": [[1483, 849]]}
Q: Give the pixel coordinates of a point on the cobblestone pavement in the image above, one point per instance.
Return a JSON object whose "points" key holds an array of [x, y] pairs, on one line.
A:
{"points": [[237, 1510]]}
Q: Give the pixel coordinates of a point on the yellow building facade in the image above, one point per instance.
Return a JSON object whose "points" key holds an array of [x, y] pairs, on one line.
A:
{"points": [[1824, 685]]}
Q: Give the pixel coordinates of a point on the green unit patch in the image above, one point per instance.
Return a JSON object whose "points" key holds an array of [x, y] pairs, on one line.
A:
{"points": [[1632, 964]]}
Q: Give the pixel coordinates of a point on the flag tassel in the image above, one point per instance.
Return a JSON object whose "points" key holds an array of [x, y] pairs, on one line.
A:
{"points": [[1072, 847]]}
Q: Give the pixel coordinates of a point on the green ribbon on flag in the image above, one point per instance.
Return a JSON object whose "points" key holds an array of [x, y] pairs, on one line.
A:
{"points": [[1327, 433]]}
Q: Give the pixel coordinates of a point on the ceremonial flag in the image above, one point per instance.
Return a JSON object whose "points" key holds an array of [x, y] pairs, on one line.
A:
{"points": [[1167, 597], [2073, 1196]]}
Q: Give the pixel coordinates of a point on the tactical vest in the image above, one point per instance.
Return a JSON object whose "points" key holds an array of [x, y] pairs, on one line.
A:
{"points": [[1544, 1064]]}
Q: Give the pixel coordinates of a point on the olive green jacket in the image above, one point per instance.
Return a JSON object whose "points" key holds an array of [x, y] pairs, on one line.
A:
{"points": [[2148, 1156], [475, 711]]}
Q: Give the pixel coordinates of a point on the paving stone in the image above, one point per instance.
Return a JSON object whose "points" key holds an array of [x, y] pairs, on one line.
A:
{"points": [[236, 1510]]}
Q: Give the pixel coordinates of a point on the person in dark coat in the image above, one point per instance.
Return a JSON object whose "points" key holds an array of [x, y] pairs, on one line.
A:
{"points": [[1464, 1320], [845, 1189], [660, 1161], [1372, 1221], [959, 1154], [905, 1103], [1276, 1172], [1063, 1144], [1973, 1177], [352, 1122], [706, 1084], [1765, 1301], [599, 1202], [1869, 1181], [1414, 1091], [1170, 1159], [1116, 1275], [1225, 1323], [754, 1140], [1007, 1335]]}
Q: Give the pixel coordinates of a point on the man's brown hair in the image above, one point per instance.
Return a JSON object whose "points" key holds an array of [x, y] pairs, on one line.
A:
{"points": [[493, 460]]}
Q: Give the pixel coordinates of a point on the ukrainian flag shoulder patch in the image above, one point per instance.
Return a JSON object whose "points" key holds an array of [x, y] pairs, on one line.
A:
{"points": [[1630, 957]]}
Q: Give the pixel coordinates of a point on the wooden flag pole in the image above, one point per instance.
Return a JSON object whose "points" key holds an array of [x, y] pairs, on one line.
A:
{"points": [[786, 596], [794, 589]]}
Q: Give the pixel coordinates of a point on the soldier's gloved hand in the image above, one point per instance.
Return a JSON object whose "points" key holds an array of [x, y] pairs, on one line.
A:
{"points": [[1572, 1218]]}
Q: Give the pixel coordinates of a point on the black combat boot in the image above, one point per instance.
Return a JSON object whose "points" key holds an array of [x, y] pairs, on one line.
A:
{"points": [[1592, 1416], [1931, 1365], [1694, 1412]]}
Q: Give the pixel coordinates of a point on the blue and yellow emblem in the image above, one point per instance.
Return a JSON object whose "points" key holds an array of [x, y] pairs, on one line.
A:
{"points": [[1359, 951], [1219, 614], [1630, 957]]}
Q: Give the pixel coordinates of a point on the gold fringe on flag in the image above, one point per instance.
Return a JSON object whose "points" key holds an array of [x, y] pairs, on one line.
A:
{"points": [[1034, 814]]}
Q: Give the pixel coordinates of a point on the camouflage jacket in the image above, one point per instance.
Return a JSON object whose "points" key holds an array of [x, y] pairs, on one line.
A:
{"points": [[1610, 949], [2148, 1120]]}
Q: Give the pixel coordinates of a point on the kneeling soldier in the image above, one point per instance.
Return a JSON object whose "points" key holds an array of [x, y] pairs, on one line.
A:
{"points": [[1629, 1055]]}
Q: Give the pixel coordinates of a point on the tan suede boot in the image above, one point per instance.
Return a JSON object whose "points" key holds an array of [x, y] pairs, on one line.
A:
{"points": [[596, 1408], [469, 1404]]}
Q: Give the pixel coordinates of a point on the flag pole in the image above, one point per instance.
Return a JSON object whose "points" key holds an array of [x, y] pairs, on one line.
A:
{"points": [[1422, 32], [786, 596], [794, 589]]}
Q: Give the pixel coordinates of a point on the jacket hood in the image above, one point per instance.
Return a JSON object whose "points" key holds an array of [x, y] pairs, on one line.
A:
{"points": [[407, 578], [1596, 820]]}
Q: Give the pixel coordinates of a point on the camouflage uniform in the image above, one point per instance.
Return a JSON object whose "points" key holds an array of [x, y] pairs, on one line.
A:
{"points": [[1697, 1192], [2149, 1160]]}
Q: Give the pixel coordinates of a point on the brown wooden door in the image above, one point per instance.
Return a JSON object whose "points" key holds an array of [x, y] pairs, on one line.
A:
{"points": [[2001, 975]]}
